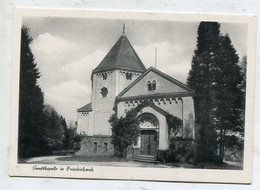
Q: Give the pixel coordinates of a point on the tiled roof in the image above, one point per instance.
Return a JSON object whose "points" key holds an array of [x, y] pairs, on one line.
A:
{"points": [[121, 56], [86, 108]]}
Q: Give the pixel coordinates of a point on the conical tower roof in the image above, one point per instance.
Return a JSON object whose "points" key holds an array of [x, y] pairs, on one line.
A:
{"points": [[121, 56]]}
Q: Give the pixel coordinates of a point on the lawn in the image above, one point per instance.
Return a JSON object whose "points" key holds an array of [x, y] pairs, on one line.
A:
{"points": [[209, 165]]}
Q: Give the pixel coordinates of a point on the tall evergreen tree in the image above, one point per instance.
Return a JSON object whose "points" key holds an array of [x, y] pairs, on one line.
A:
{"points": [[217, 81], [41, 129], [30, 101], [243, 66], [200, 79], [228, 94]]}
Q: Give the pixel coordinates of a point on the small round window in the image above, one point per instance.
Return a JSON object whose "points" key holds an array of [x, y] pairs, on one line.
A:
{"points": [[103, 92]]}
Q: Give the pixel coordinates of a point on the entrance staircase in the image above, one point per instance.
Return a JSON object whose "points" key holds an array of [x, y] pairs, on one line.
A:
{"points": [[144, 158]]}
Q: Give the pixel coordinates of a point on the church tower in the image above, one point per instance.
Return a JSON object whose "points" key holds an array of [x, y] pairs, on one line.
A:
{"points": [[122, 76], [119, 68]]}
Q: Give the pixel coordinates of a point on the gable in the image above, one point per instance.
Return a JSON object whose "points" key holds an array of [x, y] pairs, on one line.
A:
{"points": [[86, 108], [164, 85]]}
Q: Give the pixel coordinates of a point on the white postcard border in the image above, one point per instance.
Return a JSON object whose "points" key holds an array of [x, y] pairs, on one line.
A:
{"points": [[132, 173]]}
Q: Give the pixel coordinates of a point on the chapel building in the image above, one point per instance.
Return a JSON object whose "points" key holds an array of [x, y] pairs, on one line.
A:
{"points": [[121, 78]]}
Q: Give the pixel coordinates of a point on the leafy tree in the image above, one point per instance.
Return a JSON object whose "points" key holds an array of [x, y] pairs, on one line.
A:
{"points": [[72, 139], [174, 124], [53, 132], [30, 101], [56, 133], [66, 140], [200, 79], [125, 130]]}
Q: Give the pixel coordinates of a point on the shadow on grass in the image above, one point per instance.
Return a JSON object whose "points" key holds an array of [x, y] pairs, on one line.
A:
{"points": [[209, 165]]}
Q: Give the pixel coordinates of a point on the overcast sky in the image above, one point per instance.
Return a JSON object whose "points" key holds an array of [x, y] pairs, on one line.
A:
{"points": [[68, 49]]}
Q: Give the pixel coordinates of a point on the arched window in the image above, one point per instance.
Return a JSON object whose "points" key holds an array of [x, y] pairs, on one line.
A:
{"points": [[149, 85], [104, 75], [148, 120], [154, 85], [105, 146], [129, 76], [103, 92]]}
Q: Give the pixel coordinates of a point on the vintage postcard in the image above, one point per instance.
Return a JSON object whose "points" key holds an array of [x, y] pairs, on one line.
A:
{"points": [[132, 95]]}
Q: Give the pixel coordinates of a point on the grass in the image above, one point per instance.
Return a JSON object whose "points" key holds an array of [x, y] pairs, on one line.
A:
{"points": [[209, 165]]}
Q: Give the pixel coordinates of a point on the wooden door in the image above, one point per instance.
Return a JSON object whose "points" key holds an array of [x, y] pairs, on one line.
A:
{"points": [[148, 142]]}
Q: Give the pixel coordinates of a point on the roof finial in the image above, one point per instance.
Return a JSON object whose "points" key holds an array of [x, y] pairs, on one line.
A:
{"points": [[123, 28]]}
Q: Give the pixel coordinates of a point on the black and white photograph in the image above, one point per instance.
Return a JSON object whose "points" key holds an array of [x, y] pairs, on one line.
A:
{"points": [[151, 96]]}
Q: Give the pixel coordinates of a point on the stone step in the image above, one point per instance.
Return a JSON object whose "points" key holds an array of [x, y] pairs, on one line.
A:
{"points": [[144, 158], [147, 156]]}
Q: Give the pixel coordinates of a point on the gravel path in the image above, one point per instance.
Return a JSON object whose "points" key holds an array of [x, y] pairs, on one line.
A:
{"points": [[87, 161], [121, 162]]}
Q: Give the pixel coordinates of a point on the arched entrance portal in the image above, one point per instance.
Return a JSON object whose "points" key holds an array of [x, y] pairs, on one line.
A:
{"points": [[149, 126]]}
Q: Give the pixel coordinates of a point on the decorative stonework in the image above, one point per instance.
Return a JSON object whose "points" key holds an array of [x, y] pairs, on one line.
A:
{"points": [[148, 120], [127, 73], [157, 101], [101, 75], [84, 113]]}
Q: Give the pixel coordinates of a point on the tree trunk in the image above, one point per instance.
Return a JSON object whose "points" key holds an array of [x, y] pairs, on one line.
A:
{"points": [[124, 154], [221, 145]]}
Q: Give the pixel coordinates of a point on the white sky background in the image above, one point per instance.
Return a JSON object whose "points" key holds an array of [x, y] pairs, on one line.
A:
{"points": [[68, 49]]}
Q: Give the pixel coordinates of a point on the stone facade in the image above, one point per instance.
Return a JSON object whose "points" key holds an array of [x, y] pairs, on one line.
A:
{"points": [[102, 107], [96, 146], [122, 80], [83, 122], [169, 97]]}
